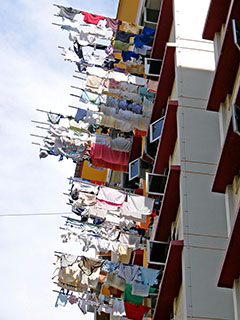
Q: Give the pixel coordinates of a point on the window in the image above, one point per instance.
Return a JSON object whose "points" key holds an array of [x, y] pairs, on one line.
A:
{"points": [[129, 185], [155, 183], [138, 167], [150, 17], [152, 67], [157, 252], [236, 118], [156, 129], [236, 33]]}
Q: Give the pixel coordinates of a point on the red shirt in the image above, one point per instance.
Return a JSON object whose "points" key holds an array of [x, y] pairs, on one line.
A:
{"points": [[134, 311], [91, 18]]}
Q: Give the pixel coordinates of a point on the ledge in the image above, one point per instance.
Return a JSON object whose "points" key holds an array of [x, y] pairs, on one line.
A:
{"points": [[165, 82], [230, 269], [217, 15], [171, 282], [228, 63], [169, 206], [168, 138], [164, 25]]}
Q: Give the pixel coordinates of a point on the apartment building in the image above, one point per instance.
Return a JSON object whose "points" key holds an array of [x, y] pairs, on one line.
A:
{"points": [[189, 159], [222, 27]]}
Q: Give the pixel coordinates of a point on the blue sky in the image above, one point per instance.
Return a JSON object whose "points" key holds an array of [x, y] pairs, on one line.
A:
{"points": [[33, 75]]}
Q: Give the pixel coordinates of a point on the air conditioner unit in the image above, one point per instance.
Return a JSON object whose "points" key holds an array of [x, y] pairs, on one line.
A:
{"points": [[155, 129], [155, 183], [152, 67], [138, 167]]}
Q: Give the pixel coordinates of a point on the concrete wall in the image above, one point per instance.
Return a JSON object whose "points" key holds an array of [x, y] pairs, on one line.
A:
{"points": [[202, 212]]}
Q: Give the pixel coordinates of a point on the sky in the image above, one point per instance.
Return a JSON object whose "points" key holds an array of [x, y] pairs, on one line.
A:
{"points": [[33, 75]]}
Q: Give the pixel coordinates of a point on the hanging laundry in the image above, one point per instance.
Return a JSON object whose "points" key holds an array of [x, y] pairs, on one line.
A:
{"points": [[135, 312], [141, 40], [129, 297], [148, 31], [149, 276], [127, 55], [80, 115], [118, 308], [113, 23], [91, 18], [130, 273], [130, 27], [89, 265], [62, 299], [54, 118], [111, 196], [117, 44], [123, 36], [142, 205], [68, 12]]}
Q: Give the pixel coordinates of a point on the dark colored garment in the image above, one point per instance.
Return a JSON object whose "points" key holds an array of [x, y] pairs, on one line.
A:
{"points": [[78, 49], [127, 55], [135, 311], [81, 67], [148, 31], [109, 64], [93, 127], [68, 12], [123, 36], [113, 23], [81, 114], [119, 69], [89, 265], [141, 40]]}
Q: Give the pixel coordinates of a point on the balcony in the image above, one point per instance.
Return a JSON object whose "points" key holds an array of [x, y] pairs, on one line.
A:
{"points": [[230, 269], [228, 62], [216, 17], [167, 139], [163, 29], [170, 282], [169, 206], [165, 83]]}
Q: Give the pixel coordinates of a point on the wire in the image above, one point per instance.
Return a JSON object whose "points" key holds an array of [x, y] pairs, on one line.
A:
{"points": [[32, 214]]}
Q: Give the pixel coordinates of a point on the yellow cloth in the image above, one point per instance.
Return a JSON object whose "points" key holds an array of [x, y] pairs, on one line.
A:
{"points": [[130, 27], [133, 67], [124, 254]]}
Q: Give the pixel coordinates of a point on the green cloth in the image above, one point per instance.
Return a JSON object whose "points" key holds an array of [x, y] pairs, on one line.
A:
{"points": [[117, 44], [129, 297]]}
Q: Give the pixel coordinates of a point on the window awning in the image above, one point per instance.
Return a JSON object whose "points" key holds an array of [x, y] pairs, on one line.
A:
{"points": [[165, 82], [229, 162], [169, 206], [230, 269], [168, 138], [165, 20], [217, 15], [228, 63], [170, 283]]}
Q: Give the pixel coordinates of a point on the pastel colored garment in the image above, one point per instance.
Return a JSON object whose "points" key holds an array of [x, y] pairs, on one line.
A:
{"points": [[130, 240], [113, 23], [109, 266], [80, 115], [152, 85], [129, 297], [123, 36], [130, 273], [61, 300], [118, 308], [112, 196], [124, 254], [73, 299], [91, 18], [113, 280], [148, 276], [121, 144], [135, 312], [140, 289], [143, 92]]}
